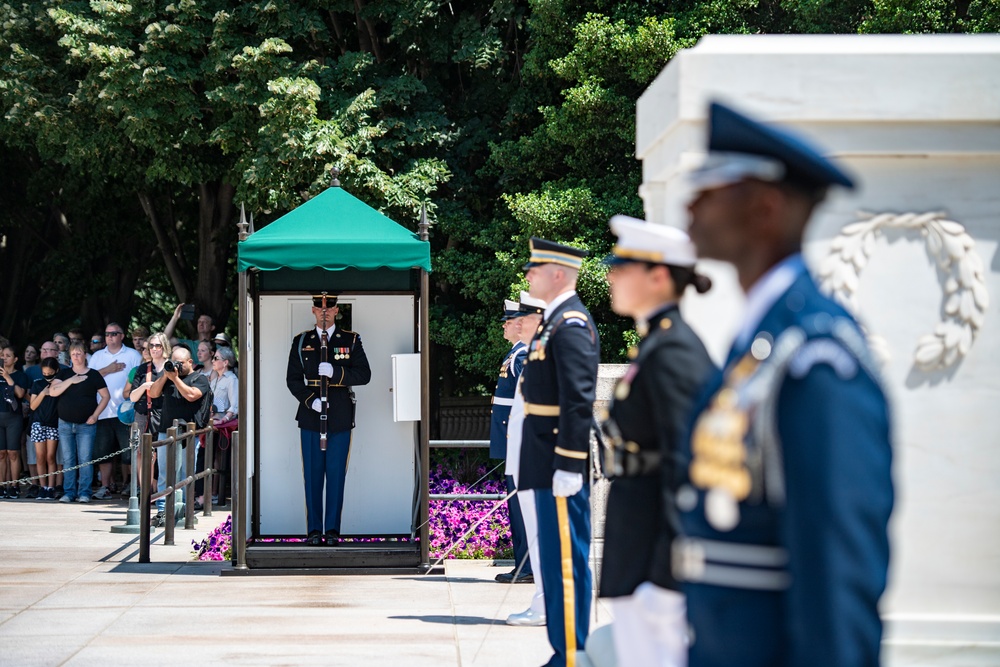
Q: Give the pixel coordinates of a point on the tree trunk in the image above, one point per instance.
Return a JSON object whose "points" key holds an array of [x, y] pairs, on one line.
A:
{"points": [[213, 293]]}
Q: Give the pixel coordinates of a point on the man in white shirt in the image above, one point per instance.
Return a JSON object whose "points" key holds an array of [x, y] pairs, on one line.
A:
{"points": [[113, 362]]}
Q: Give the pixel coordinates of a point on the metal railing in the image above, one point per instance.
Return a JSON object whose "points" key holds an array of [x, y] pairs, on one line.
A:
{"points": [[188, 441]]}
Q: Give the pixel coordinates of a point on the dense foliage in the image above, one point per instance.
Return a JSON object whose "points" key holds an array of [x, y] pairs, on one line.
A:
{"points": [[131, 131]]}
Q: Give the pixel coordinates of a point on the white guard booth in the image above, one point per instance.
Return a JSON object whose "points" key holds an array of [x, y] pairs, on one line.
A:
{"points": [[338, 244], [913, 252]]}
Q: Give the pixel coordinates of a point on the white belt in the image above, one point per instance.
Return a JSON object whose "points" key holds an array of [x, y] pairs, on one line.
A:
{"points": [[752, 566], [502, 401]]}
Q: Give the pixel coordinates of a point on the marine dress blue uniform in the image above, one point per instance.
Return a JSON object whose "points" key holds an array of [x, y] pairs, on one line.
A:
{"points": [[558, 395], [350, 368], [784, 512], [503, 399]]}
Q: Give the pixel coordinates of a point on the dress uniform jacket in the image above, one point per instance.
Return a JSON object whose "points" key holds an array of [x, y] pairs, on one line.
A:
{"points": [[350, 367], [503, 398], [559, 399], [785, 548], [648, 417]]}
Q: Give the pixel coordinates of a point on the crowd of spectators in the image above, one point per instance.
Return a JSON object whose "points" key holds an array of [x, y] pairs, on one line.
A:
{"points": [[60, 402]]}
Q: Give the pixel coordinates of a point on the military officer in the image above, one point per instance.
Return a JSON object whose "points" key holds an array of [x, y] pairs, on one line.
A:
{"points": [[503, 399], [346, 366], [560, 376], [788, 493], [650, 268], [531, 316]]}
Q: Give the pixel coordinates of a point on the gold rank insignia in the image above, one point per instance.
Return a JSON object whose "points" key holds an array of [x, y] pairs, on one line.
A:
{"points": [[718, 448]]}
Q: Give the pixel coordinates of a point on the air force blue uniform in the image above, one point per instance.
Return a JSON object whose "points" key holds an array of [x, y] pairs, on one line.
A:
{"points": [[784, 553], [559, 387], [503, 398], [350, 368], [785, 549]]}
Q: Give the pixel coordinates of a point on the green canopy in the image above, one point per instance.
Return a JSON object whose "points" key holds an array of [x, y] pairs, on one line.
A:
{"points": [[334, 231]]}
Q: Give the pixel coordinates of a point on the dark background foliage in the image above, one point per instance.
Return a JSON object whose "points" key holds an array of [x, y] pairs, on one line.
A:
{"points": [[131, 132]]}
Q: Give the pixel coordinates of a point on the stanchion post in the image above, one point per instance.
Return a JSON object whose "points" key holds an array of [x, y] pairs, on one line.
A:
{"points": [[171, 461], [145, 491], [191, 453], [239, 501], [209, 479]]}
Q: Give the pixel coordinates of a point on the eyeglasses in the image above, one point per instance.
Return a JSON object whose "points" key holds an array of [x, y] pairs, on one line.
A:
{"points": [[49, 349], [216, 358], [95, 341], [113, 333], [155, 346]]}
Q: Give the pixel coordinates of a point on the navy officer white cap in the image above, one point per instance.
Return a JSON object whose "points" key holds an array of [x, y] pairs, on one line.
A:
{"points": [[530, 304], [641, 241]]}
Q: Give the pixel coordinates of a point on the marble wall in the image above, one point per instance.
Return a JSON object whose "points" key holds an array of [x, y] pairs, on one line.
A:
{"points": [[914, 252]]}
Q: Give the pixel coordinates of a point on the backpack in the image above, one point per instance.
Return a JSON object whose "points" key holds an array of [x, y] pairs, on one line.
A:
{"points": [[204, 414]]}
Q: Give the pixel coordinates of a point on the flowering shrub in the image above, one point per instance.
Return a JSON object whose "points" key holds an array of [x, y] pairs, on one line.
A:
{"points": [[449, 519], [218, 545]]}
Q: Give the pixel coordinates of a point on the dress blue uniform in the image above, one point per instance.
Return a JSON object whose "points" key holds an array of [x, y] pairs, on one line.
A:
{"points": [[503, 399], [784, 552], [346, 354], [559, 384]]}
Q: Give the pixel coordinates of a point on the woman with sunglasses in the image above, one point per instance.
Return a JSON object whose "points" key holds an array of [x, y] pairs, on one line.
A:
{"points": [[13, 388], [156, 351], [225, 408]]}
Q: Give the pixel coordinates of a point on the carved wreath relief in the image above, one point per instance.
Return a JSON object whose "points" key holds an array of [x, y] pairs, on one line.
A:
{"points": [[964, 288]]}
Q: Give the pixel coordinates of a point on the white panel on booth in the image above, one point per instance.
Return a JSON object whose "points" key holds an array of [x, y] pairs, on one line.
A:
{"points": [[406, 387], [380, 476]]}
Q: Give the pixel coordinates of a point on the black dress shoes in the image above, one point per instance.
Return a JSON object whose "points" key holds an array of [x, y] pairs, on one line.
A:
{"points": [[332, 538], [508, 578], [315, 539]]}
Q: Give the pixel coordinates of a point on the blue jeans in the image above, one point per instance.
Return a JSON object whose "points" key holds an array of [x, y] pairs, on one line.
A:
{"points": [[161, 477], [76, 445]]}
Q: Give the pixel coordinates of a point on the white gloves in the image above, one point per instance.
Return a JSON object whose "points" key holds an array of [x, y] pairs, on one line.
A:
{"points": [[566, 484], [326, 369], [317, 405]]}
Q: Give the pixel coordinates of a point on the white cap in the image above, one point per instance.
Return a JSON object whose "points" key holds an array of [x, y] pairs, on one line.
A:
{"points": [[530, 304], [641, 241], [720, 169]]}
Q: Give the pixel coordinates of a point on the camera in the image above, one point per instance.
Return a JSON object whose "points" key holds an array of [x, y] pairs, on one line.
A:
{"points": [[169, 367], [187, 311]]}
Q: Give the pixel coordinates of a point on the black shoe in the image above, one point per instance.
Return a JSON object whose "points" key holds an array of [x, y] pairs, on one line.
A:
{"points": [[508, 578], [57, 493], [332, 538], [315, 539], [32, 491], [160, 520]]}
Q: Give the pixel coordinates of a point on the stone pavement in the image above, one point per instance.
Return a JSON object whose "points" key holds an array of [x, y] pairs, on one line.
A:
{"points": [[73, 593]]}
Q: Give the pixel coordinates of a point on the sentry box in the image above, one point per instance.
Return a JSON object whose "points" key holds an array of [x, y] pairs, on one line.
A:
{"points": [[379, 270]]}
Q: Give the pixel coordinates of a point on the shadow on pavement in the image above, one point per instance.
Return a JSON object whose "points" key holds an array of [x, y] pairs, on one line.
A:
{"points": [[449, 620]]}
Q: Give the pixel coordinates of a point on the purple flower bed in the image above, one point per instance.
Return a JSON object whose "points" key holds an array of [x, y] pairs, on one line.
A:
{"points": [[218, 545], [449, 520]]}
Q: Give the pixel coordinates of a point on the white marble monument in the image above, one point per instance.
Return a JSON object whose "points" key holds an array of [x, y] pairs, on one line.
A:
{"points": [[913, 252]]}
